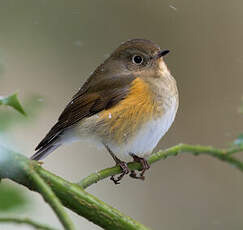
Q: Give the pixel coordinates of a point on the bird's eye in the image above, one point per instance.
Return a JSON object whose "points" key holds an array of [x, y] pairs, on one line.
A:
{"points": [[136, 59]]}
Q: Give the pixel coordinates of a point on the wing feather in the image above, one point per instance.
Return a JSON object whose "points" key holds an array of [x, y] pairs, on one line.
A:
{"points": [[92, 98]]}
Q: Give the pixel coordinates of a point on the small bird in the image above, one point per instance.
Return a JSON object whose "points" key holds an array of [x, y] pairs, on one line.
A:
{"points": [[127, 105]]}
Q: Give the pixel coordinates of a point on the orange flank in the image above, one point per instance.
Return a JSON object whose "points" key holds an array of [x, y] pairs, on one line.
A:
{"points": [[128, 115]]}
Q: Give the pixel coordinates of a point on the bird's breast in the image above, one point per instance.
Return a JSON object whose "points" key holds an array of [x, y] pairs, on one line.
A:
{"points": [[144, 137], [123, 120], [141, 106], [138, 122]]}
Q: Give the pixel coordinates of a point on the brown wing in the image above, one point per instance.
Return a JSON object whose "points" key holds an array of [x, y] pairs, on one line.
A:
{"points": [[95, 95]]}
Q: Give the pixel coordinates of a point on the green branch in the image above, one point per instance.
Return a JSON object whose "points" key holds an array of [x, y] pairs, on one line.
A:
{"points": [[21, 170], [18, 168], [29, 173], [27, 221], [221, 154], [50, 197], [88, 206]]}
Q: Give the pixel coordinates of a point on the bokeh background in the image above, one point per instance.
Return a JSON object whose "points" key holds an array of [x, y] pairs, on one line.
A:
{"points": [[49, 48]]}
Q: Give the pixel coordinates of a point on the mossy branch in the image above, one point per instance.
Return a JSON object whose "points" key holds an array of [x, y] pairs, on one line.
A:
{"points": [[30, 174]]}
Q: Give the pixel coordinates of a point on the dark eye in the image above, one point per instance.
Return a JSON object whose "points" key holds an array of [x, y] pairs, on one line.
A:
{"points": [[136, 59]]}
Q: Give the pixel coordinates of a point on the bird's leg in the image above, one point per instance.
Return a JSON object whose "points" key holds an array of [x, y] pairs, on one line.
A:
{"points": [[122, 164], [145, 166], [125, 170]]}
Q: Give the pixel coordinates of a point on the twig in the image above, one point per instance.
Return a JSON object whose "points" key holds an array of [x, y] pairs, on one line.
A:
{"points": [[221, 154], [50, 197], [27, 221]]}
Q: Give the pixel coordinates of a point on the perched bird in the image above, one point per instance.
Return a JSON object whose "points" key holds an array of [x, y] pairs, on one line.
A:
{"points": [[127, 105]]}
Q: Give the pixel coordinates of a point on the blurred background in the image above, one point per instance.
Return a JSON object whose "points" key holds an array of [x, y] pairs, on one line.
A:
{"points": [[49, 48]]}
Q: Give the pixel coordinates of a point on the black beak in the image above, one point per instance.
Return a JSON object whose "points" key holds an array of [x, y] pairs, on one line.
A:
{"points": [[162, 53]]}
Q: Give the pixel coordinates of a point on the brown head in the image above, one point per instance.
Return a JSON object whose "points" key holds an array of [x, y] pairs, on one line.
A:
{"points": [[137, 57]]}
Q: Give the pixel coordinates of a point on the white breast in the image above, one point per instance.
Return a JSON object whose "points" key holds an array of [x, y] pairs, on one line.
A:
{"points": [[148, 136]]}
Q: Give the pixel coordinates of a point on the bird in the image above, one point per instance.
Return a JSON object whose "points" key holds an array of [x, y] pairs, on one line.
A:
{"points": [[126, 105]]}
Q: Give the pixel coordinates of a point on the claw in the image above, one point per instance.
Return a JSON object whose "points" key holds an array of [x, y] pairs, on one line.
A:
{"points": [[125, 170], [122, 164], [145, 166], [134, 175]]}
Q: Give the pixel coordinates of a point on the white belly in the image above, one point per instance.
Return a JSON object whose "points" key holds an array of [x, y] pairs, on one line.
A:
{"points": [[147, 137]]}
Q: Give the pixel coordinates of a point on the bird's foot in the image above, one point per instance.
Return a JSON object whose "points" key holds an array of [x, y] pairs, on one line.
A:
{"points": [[145, 166], [125, 170], [134, 175]]}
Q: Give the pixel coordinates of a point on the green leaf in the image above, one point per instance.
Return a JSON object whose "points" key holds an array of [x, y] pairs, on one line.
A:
{"points": [[239, 140], [11, 198], [32, 104], [12, 101]]}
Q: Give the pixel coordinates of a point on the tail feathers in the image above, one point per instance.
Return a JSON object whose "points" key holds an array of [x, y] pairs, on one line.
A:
{"points": [[44, 151]]}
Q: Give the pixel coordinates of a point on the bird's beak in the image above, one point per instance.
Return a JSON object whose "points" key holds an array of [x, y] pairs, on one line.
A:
{"points": [[162, 53]]}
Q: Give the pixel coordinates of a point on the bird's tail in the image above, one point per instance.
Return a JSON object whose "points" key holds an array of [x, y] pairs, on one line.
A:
{"points": [[52, 141], [44, 151]]}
